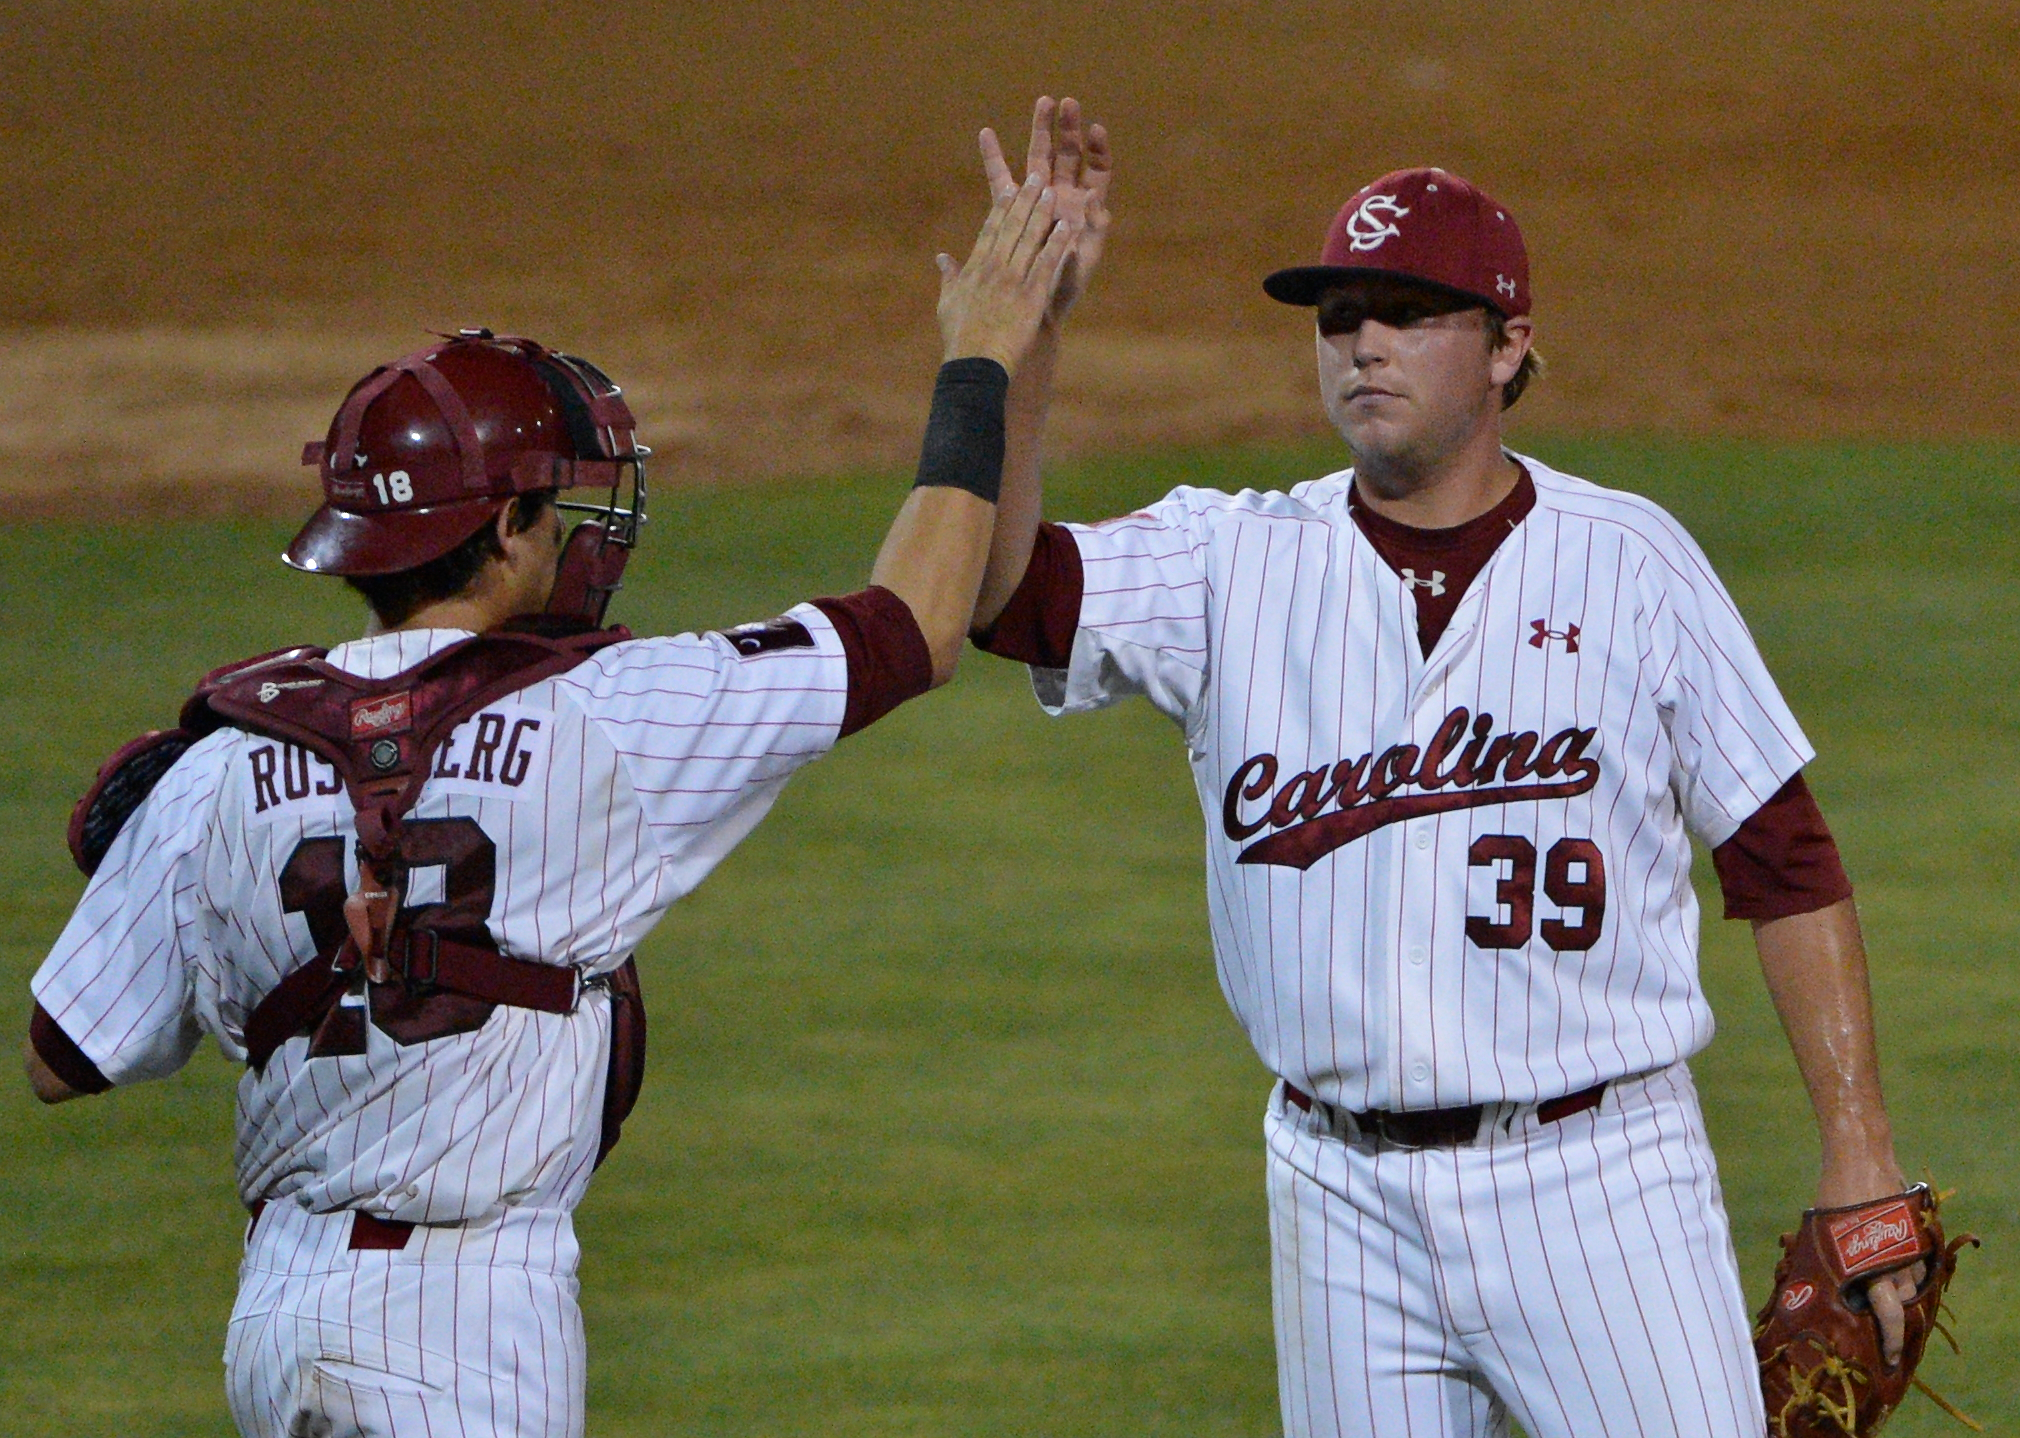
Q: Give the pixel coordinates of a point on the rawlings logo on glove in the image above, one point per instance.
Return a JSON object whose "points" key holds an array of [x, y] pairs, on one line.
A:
{"points": [[1822, 1370], [1871, 1241]]}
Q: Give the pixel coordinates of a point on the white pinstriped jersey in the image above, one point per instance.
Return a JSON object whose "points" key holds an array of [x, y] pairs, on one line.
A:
{"points": [[573, 813], [1456, 879]]}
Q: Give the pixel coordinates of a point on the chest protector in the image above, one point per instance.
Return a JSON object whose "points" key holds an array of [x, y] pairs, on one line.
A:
{"points": [[415, 974]]}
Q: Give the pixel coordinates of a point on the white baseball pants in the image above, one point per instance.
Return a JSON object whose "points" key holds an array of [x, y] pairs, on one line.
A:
{"points": [[1578, 1275], [326, 1342]]}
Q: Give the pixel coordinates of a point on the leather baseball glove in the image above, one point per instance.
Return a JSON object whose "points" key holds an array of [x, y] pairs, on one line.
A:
{"points": [[1821, 1367]]}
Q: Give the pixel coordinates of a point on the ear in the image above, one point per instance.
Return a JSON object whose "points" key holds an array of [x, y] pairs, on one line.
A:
{"points": [[1506, 357]]}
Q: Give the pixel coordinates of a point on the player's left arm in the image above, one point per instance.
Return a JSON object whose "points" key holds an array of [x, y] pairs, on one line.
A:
{"points": [[1781, 869], [1815, 966], [1738, 780]]}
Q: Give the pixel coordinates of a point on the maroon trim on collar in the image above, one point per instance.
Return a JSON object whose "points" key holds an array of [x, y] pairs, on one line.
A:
{"points": [[1440, 564], [1495, 523], [888, 658], [61, 1053]]}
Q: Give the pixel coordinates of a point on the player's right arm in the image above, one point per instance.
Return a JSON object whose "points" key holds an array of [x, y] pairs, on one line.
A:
{"points": [[709, 727], [1104, 611], [1078, 164], [43, 1080], [1100, 612], [990, 310], [115, 1001]]}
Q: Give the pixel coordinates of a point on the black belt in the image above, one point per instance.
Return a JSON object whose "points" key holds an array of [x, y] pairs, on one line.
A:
{"points": [[1437, 1127], [367, 1231]]}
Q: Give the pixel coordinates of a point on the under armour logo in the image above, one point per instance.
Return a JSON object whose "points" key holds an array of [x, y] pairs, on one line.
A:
{"points": [[1505, 285], [1544, 634], [1366, 230], [1436, 583]]}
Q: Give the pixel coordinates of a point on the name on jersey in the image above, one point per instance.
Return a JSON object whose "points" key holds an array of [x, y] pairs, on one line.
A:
{"points": [[497, 753], [1465, 766]]}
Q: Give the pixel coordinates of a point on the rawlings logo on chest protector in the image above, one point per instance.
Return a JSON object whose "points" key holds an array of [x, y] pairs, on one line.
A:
{"points": [[386, 714]]}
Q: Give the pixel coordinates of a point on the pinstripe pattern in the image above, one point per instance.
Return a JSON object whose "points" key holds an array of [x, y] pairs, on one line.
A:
{"points": [[1266, 623], [1578, 1275], [433, 1341], [607, 793]]}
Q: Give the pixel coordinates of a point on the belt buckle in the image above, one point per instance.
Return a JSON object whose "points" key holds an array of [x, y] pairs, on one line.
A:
{"points": [[408, 970], [1391, 1129], [1416, 1129]]}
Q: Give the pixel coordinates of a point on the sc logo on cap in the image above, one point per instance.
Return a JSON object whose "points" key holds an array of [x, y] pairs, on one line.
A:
{"points": [[1367, 230]]}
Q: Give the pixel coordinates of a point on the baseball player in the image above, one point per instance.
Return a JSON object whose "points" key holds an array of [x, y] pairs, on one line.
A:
{"points": [[1453, 717], [402, 881]]}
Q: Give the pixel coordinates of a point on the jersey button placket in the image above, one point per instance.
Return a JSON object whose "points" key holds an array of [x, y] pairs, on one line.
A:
{"points": [[1414, 949]]}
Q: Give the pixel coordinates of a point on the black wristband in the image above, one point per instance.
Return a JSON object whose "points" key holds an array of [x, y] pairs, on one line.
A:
{"points": [[964, 436]]}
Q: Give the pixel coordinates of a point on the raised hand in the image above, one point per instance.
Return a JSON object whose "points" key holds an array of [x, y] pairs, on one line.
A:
{"points": [[991, 306], [1075, 160]]}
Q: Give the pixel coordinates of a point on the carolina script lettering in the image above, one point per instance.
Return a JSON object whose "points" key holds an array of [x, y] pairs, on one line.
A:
{"points": [[1316, 811]]}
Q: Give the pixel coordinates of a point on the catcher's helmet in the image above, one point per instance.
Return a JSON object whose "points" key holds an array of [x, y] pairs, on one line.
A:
{"points": [[426, 450]]}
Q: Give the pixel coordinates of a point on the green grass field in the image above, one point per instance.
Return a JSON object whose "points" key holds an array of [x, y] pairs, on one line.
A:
{"points": [[947, 1129]]}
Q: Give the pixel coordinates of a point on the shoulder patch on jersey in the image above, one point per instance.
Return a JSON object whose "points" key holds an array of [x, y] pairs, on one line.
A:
{"points": [[750, 640]]}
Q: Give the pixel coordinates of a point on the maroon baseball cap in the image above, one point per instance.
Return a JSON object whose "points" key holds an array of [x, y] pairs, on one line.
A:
{"points": [[428, 449], [1426, 225]]}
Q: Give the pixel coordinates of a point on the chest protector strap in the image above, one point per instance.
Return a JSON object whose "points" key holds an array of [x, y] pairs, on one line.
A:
{"points": [[381, 736]]}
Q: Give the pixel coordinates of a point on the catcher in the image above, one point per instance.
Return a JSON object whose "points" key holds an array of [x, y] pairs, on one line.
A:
{"points": [[402, 881]]}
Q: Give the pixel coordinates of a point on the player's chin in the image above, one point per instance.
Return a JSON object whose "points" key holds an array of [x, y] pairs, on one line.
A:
{"points": [[1371, 431]]}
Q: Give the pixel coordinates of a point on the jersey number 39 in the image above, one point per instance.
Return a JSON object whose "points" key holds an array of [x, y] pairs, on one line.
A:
{"points": [[1574, 877]]}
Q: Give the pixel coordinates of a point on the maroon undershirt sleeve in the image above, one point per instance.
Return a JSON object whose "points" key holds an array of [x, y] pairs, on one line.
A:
{"points": [[64, 1058], [1783, 860], [888, 659], [1038, 624]]}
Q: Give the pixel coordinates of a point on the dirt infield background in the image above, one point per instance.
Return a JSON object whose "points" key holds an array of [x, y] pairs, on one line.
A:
{"points": [[1789, 221]]}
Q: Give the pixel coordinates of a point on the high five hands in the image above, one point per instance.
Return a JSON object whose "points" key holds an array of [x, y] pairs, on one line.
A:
{"points": [[1040, 243], [991, 306], [1074, 159]]}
